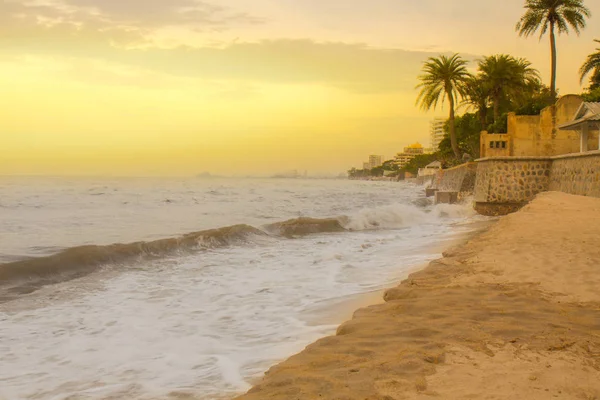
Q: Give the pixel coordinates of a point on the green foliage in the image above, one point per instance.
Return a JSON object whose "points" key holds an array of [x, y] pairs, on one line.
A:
{"points": [[443, 77], [477, 95], [420, 161], [504, 84], [390, 165], [500, 126], [468, 130], [541, 15], [508, 80], [592, 95], [595, 80], [377, 171], [553, 15], [356, 173], [592, 65], [535, 102]]}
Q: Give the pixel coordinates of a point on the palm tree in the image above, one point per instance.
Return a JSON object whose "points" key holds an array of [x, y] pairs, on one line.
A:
{"points": [[592, 64], [552, 15], [506, 77], [477, 95], [443, 77]]}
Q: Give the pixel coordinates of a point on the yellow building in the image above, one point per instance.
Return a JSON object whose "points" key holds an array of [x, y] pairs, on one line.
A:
{"points": [[409, 153], [539, 135]]}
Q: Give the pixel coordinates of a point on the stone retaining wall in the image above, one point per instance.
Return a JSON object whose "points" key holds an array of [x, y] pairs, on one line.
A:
{"points": [[511, 181], [459, 179], [576, 174], [504, 184]]}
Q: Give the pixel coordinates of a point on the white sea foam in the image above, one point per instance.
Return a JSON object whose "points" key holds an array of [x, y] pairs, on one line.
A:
{"points": [[202, 324]]}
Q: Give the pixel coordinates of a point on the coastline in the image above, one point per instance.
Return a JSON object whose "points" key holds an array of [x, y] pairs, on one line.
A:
{"points": [[341, 310], [512, 313]]}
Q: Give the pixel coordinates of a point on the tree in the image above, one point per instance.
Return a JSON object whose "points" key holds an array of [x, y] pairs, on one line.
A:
{"points": [[593, 95], [377, 171], [477, 94], [535, 100], [506, 77], [390, 165], [467, 134], [595, 80], [443, 77], [592, 65], [419, 161], [553, 15]]}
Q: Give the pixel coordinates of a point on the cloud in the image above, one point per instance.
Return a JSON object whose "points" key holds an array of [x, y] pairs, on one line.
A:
{"points": [[159, 13], [353, 67], [121, 22], [117, 32]]}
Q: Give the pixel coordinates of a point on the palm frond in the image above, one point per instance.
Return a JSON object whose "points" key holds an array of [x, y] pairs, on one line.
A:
{"points": [[443, 77], [592, 63], [507, 76], [564, 14]]}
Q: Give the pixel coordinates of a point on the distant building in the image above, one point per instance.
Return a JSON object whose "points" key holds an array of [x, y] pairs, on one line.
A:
{"points": [[375, 161], [409, 153], [437, 132], [366, 165], [430, 169]]}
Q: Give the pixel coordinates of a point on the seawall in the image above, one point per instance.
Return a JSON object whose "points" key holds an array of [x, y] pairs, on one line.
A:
{"points": [[505, 184], [458, 182]]}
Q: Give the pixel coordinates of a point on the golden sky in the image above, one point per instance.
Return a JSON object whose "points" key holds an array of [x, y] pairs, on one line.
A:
{"points": [[178, 87]]}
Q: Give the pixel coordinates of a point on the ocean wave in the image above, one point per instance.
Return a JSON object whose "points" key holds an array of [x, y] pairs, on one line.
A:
{"points": [[80, 261], [392, 216], [307, 226]]}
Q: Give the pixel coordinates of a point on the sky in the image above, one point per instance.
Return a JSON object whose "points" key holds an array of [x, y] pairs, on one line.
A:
{"points": [[237, 87]]}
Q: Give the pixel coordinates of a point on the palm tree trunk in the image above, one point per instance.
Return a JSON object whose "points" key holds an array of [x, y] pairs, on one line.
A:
{"points": [[453, 140], [483, 117], [553, 51], [496, 109]]}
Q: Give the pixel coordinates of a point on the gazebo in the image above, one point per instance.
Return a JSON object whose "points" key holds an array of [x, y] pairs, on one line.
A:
{"points": [[586, 118]]}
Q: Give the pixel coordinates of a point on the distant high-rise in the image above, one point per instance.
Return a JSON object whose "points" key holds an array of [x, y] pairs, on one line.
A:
{"points": [[437, 132], [375, 161]]}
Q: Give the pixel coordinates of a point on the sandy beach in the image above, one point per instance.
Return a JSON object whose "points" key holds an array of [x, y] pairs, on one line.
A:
{"points": [[514, 313]]}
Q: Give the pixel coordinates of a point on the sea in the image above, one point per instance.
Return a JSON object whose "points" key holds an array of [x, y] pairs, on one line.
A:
{"points": [[173, 288]]}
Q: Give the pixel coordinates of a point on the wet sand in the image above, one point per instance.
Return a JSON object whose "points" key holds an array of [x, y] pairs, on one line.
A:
{"points": [[512, 314]]}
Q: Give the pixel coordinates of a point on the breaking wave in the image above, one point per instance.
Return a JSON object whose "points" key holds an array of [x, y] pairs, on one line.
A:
{"points": [[307, 226], [30, 274], [79, 261]]}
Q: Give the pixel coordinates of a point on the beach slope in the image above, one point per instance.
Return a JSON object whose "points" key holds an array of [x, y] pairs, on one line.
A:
{"points": [[512, 314]]}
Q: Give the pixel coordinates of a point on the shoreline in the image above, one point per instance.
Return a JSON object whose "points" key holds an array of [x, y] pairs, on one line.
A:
{"points": [[338, 311], [335, 312], [512, 313]]}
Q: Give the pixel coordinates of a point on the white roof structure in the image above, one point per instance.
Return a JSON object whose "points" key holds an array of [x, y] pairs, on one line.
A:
{"points": [[586, 117], [588, 113], [435, 164]]}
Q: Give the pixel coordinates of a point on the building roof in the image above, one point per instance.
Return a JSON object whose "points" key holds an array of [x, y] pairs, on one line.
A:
{"points": [[435, 164], [587, 113], [415, 146]]}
